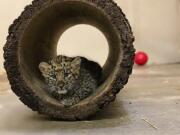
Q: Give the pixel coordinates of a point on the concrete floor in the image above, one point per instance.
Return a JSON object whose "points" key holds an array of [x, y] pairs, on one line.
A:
{"points": [[149, 105]]}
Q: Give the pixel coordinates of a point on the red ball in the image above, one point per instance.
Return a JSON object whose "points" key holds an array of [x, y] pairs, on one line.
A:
{"points": [[141, 58]]}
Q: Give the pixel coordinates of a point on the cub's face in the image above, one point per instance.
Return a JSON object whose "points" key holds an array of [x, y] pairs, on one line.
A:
{"points": [[62, 70]]}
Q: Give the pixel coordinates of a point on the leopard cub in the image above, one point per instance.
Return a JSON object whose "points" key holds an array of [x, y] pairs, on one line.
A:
{"points": [[70, 79]]}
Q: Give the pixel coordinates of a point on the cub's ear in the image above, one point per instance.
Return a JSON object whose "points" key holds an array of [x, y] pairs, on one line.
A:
{"points": [[76, 63], [44, 67]]}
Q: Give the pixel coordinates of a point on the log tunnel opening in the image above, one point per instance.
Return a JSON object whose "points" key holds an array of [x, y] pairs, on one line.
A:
{"points": [[84, 40], [40, 38]]}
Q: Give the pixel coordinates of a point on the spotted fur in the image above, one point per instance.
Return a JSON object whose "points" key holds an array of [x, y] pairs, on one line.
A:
{"points": [[70, 80]]}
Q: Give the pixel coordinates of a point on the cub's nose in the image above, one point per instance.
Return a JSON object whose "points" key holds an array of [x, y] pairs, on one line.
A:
{"points": [[60, 83]]}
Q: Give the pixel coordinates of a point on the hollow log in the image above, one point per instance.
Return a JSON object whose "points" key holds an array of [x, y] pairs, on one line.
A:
{"points": [[33, 38]]}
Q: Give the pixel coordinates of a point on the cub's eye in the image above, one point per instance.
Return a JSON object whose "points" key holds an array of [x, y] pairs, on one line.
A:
{"points": [[53, 75], [63, 64]]}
